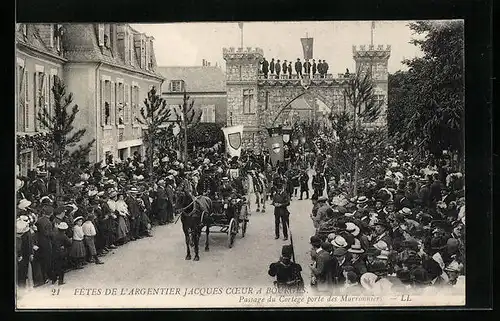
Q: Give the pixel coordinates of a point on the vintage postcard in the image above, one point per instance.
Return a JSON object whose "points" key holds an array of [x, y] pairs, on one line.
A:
{"points": [[252, 164]]}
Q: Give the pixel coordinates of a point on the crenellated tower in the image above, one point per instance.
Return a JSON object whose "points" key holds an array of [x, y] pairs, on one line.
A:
{"points": [[242, 74], [375, 60]]}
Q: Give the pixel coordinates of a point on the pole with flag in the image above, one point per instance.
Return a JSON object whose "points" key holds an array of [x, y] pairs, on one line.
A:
{"points": [[372, 29], [240, 24], [307, 47]]}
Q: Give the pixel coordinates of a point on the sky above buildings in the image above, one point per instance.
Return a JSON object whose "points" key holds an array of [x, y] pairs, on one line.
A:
{"points": [[187, 44]]}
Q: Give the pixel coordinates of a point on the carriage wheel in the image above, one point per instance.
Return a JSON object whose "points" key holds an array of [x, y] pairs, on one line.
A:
{"points": [[231, 233]]}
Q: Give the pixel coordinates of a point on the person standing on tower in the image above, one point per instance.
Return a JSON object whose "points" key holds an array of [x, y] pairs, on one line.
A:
{"points": [[265, 67], [284, 67], [298, 68], [307, 67], [325, 67], [320, 68], [278, 68], [271, 66], [314, 67], [290, 70]]}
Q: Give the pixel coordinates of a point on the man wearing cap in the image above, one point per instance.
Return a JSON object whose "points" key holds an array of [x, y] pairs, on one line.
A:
{"points": [[134, 211], [318, 183], [287, 273], [356, 260], [340, 254], [322, 209], [381, 233], [161, 203], [281, 200]]}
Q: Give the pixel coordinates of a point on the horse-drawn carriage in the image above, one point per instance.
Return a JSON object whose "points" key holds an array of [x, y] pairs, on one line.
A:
{"points": [[230, 215], [202, 212]]}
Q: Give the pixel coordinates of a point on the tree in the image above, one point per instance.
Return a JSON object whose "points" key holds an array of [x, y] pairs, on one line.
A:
{"points": [[433, 93], [155, 115], [353, 139], [67, 155], [187, 117]]}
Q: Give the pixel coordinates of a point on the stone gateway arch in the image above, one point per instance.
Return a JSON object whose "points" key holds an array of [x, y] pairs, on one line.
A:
{"points": [[258, 102]]}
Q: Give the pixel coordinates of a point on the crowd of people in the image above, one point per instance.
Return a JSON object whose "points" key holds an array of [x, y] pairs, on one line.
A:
{"points": [[113, 203], [300, 68], [405, 230]]}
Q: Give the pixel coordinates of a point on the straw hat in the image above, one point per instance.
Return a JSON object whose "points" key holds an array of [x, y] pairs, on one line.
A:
{"points": [[77, 218], [352, 228], [356, 248], [62, 226], [381, 246], [339, 242], [22, 226], [23, 204], [384, 255]]}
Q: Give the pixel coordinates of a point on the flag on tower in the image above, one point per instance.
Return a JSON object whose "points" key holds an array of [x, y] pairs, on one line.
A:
{"points": [[240, 24], [307, 46], [373, 24]]}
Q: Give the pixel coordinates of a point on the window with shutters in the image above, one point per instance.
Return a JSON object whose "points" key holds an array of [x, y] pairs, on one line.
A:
{"points": [[176, 85], [248, 101], [21, 120], [113, 103], [106, 101], [120, 112], [27, 100], [135, 104], [208, 114], [131, 49], [40, 99], [101, 34], [126, 102]]}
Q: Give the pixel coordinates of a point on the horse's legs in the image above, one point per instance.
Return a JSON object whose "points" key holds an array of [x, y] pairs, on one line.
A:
{"points": [[207, 247], [257, 201], [196, 239], [185, 229]]}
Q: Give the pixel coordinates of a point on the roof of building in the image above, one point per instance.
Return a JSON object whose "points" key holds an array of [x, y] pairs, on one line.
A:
{"points": [[33, 39], [197, 78], [80, 43]]}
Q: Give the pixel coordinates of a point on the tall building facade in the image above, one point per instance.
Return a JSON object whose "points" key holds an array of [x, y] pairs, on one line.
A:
{"points": [[109, 68]]}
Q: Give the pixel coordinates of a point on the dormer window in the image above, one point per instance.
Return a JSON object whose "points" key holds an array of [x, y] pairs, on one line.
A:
{"points": [[176, 85]]}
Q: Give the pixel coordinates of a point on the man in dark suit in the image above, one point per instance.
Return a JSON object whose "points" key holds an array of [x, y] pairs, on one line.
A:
{"points": [[271, 66], [265, 67], [314, 67], [304, 184], [161, 202], [290, 70], [278, 68], [298, 68], [325, 68], [45, 233], [281, 200], [307, 67], [320, 68], [322, 267], [284, 67]]}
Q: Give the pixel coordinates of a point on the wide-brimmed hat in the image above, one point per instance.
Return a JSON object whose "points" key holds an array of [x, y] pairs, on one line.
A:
{"points": [[62, 226], [352, 228], [77, 218], [362, 200], [322, 199], [367, 280], [133, 190], [22, 226], [381, 246], [384, 255], [24, 218], [331, 236], [339, 242], [23, 204], [405, 211], [356, 248], [92, 193]]}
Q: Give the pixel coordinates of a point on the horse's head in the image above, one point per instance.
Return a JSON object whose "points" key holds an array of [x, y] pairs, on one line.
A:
{"points": [[183, 199]]}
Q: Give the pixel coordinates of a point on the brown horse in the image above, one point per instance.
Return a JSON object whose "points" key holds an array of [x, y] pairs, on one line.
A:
{"points": [[194, 212]]}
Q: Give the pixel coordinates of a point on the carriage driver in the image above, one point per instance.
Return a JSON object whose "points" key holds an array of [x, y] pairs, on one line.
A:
{"points": [[226, 190]]}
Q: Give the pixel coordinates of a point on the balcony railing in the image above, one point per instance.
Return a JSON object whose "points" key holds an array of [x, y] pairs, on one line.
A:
{"points": [[296, 77]]}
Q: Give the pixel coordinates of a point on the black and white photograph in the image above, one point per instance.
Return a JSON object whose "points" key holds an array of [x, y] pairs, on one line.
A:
{"points": [[232, 164]]}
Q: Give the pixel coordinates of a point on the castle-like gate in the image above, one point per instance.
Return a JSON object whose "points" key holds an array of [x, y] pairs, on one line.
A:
{"points": [[258, 102]]}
